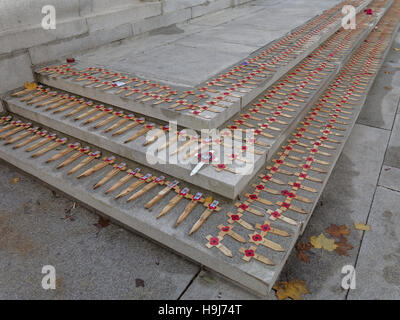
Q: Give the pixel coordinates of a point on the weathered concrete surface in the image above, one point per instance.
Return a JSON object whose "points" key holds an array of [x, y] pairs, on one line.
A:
{"points": [[90, 262], [378, 265], [17, 69], [210, 286], [255, 276]]}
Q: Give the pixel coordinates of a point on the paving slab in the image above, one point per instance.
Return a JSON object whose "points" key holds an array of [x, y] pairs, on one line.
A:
{"points": [[392, 157], [383, 99], [90, 262], [390, 178], [378, 266]]}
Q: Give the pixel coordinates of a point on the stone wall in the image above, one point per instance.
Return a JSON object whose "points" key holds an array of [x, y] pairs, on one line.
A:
{"points": [[81, 25]]}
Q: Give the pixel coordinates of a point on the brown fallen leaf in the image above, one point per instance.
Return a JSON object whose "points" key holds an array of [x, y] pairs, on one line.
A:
{"points": [[14, 180], [387, 72], [322, 242], [338, 231], [343, 246], [301, 251], [102, 223], [387, 88], [362, 226], [293, 289], [139, 283]]}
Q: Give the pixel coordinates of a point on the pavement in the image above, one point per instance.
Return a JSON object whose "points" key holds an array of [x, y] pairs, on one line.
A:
{"points": [[187, 54], [97, 260]]}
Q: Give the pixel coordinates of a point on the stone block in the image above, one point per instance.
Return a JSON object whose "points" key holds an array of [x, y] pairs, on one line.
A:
{"points": [[57, 49], [174, 5]]}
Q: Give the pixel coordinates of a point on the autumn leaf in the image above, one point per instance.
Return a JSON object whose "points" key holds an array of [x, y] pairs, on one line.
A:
{"points": [[14, 180], [362, 226], [387, 88], [322, 242], [102, 223], [338, 231], [387, 72], [343, 246], [301, 254], [30, 86], [396, 49], [293, 289]]}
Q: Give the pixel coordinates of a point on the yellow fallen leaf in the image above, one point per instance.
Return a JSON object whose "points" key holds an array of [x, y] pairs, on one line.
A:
{"points": [[322, 242], [396, 49], [293, 289], [387, 72], [30, 85], [362, 226], [208, 200], [14, 180]]}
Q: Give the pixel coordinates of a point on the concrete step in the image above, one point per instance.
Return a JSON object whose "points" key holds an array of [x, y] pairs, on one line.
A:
{"points": [[284, 195], [215, 99]]}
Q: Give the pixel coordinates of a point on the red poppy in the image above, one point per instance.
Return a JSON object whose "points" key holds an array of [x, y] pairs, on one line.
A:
{"points": [[249, 253], [256, 237], [214, 241], [235, 217]]}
